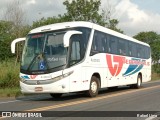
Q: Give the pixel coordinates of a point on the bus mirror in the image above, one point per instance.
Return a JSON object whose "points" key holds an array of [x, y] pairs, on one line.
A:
{"points": [[67, 36], [13, 44]]}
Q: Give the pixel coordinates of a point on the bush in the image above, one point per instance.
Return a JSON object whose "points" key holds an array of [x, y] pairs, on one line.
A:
{"points": [[9, 74], [156, 68]]}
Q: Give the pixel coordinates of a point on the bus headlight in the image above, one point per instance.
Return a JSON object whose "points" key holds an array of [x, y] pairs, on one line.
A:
{"points": [[62, 76], [47, 81], [22, 80]]}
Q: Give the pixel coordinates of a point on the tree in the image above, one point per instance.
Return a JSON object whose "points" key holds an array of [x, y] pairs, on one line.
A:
{"points": [[46, 21], [5, 39], [153, 39], [83, 10], [148, 37], [112, 25], [16, 15], [88, 10], [107, 14], [155, 46]]}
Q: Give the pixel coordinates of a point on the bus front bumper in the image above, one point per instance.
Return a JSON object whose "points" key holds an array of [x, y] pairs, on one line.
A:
{"points": [[57, 87]]}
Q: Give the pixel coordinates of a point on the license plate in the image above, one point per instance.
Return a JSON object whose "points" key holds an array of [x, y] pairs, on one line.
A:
{"points": [[38, 89]]}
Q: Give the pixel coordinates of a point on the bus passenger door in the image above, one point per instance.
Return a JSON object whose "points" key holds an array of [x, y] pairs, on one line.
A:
{"points": [[74, 63]]}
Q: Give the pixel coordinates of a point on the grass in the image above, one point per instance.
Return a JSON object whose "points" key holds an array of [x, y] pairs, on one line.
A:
{"points": [[9, 78], [10, 92], [155, 76], [9, 74]]}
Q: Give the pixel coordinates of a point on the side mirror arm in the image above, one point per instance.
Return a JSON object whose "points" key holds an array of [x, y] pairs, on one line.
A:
{"points": [[13, 44], [67, 36]]}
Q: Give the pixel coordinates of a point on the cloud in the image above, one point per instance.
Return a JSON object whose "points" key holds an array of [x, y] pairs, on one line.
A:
{"points": [[36, 9], [134, 20], [132, 17], [31, 2]]}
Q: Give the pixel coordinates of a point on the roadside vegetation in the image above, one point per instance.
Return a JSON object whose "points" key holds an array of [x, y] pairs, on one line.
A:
{"points": [[9, 78], [10, 92], [14, 26], [9, 74], [155, 76]]}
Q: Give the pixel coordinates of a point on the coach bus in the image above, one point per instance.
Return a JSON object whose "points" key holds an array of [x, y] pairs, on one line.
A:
{"points": [[81, 56]]}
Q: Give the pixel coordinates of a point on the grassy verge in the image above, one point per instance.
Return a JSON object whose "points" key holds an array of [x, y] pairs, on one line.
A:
{"points": [[9, 78], [155, 76], [10, 92], [9, 74]]}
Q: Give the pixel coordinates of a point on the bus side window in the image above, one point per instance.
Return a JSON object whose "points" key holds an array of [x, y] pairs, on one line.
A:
{"points": [[103, 42], [113, 45], [147, 52], [75, 54], [100, 42], [130, 49], [139, 51], [106, 44], [134, 49], [95, 44], [122, 47]]}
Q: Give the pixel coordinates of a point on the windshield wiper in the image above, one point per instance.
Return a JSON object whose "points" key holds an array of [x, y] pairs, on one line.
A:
{"points": [[41, 57], [32, 62]]}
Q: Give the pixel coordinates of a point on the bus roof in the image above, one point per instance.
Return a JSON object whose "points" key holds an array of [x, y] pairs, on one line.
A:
{"points": [[117, 34], [58, 26], [63, 25]]}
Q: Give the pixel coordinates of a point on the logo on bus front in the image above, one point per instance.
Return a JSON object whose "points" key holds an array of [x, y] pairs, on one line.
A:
{"points": [[116, 63]]}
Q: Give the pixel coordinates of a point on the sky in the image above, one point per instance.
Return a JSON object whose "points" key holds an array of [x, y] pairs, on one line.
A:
{"points": [[134, 16]]}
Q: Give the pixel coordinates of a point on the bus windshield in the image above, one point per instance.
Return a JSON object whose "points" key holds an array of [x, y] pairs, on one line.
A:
{"points": [[43, 51]]}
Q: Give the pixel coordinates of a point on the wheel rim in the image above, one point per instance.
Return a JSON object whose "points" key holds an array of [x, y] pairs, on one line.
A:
{"points": [[94, 87], [139, 81]]}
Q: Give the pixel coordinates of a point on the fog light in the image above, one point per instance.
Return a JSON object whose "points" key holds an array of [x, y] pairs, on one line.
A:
{"points": [[63, 86]]}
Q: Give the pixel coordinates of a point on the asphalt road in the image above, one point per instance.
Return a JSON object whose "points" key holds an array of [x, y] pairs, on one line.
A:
{"points": [[123, 103]]}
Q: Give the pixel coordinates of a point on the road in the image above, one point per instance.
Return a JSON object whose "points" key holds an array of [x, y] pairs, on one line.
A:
{"points": [[110, 104]]}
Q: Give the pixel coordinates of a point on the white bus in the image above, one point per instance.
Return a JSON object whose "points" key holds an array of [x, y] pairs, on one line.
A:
{"points": [[81, 56]]}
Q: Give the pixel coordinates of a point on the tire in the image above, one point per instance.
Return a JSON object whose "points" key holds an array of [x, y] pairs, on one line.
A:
{"points": [[56, 95], [139, 82], [94, 87]]}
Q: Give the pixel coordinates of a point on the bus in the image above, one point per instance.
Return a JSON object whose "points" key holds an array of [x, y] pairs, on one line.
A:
{"points": [[81, 56]]}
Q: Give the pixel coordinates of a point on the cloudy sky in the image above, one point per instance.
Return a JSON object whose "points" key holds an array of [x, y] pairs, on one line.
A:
{"points": [[134, 15]]}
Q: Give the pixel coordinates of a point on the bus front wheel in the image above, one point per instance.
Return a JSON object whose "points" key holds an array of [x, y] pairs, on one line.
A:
{"points": [[94, 87]]}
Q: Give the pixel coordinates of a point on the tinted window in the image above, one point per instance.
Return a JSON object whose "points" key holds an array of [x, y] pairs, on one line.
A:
{"points": [[84, 39], [75, 54], [148, 53], [99, 43], [105, 43], [132, 52], [112, 44], [122, 47], [143, 51]]}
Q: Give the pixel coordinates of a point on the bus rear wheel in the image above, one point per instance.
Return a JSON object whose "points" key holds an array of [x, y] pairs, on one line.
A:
{"points": [[94, 87], [139, 82], [56, 95]]}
